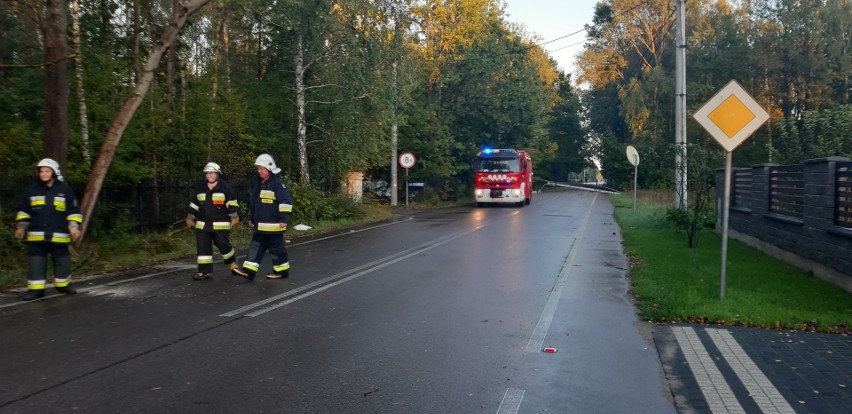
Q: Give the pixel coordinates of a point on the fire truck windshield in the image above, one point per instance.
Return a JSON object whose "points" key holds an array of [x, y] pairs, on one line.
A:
{"points": [[498, 165]]}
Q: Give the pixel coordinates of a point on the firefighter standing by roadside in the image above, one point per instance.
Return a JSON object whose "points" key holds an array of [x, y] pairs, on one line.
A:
{"points": [[49, 217], [213, 213], [269, 209]]}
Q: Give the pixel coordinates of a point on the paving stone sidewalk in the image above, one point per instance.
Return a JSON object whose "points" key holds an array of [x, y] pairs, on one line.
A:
{"points": [[713, 369]]}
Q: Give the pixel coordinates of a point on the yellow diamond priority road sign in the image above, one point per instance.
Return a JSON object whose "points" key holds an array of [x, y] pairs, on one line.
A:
{"points": [[731, 116]]}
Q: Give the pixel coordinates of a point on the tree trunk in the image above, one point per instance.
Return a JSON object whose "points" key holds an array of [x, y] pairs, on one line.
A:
{"points": [[81, 92], [113, 137], [226, 50], [184, 88], [55, 82], [214, 74], [261, 68], [170, 76], [301, 128], [135, 40]]}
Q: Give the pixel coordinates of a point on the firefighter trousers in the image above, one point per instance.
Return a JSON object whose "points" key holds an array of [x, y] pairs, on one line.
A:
{"points": [[260, 243], [204, 241], [37, 260]]}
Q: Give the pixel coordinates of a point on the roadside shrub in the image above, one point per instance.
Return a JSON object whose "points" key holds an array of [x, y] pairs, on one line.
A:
{"points": [[682, 219], [311, 204], [678, 217]]}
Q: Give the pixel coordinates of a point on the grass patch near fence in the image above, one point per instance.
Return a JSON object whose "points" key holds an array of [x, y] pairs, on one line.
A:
{"points": [[675, 283]]}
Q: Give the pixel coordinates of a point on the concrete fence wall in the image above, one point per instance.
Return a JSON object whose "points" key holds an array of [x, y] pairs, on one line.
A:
{"points": [[796, 213]]}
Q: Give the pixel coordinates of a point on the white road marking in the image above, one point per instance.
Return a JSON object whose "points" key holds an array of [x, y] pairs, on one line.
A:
{"points": [[540, 332], [336, 279], [95, 289], [720, 398], [178, 268], [758, 385], [318, 282], [511, 401], [349, 232], [150, 275]]}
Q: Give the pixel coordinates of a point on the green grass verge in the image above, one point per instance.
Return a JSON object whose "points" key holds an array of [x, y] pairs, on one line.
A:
{"points": [[675, 283]]}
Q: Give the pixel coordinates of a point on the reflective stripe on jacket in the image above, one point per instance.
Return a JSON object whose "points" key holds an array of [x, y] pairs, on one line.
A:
{"points": [[213, 209], [47, 212], [270, 204]]}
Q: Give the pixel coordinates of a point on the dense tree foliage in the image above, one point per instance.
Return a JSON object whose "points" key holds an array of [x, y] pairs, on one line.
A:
{"points": [[320, 84], [316, 83], [793, 57]]}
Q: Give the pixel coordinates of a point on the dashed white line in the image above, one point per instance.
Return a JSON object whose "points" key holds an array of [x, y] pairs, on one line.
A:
{"points": [[358, 272], [540, 332], [511, 402]]}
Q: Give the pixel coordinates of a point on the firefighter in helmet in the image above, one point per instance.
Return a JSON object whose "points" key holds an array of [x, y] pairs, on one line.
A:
{"points": [[48, 220], [213, 213], [269, 208]]}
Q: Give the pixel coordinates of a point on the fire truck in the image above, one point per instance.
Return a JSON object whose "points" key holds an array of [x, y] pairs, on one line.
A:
{"points": [[503, 176]]}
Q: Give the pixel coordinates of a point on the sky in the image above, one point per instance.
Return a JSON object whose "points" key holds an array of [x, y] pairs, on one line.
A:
{"points": [[552, 19]]}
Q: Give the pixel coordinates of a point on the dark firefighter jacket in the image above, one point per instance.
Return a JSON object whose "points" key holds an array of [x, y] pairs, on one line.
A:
{"points": [[213, 209], [48, 212], [270, 204]]}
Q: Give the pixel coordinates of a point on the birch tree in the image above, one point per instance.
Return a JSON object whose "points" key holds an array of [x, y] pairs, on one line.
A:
{"points": [[119, 124], [81, 92]]}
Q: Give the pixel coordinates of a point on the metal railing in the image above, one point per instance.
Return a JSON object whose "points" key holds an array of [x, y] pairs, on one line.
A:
{"points": [[787, 190], [151, 204], [843, 195], [741, 193]]}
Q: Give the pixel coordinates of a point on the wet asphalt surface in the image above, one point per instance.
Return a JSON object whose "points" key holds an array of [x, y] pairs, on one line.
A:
{"points": [[443, 311]]}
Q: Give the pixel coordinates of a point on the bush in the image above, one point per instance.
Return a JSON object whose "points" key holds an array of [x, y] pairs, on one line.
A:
{"points": [[682, 219], [310, 205], [678, 217]]}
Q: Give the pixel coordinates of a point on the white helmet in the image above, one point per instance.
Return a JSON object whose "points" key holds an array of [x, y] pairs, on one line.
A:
{"points": [[212, 167], [266, 161], [47, 162]]}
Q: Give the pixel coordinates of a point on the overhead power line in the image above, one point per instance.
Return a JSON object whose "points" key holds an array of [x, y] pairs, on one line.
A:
{"points": [[524, 49]]}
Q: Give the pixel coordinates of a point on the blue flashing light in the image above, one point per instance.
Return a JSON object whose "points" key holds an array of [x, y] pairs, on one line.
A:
{"points": [[487, 150]]}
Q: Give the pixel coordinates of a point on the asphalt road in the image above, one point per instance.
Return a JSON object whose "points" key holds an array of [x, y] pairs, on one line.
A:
{"points": [[444, 311]]}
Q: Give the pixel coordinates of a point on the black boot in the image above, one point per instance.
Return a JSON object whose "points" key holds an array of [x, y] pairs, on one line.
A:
{"points": [[33, 294], [202, 276], [67, 290]]}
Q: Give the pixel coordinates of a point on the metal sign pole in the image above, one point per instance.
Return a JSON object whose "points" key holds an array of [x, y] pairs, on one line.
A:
{"points": [[730, 116], [407, 160], [635, 171], [726, 204], [633, 157]]}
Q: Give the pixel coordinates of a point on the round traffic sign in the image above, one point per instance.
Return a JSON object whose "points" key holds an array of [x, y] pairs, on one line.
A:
{"points": [[407, 160], [632, 155]]}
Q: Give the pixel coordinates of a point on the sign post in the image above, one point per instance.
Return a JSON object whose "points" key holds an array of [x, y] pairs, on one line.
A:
{"points": [[731, 116], [406, 160], [633, 157]]}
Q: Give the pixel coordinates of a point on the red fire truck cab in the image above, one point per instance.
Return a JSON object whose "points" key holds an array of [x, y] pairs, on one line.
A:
{"points": [[503, 176]]}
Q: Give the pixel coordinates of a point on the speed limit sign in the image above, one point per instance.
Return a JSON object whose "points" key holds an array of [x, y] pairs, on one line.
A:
{"points": [[407, 160]]}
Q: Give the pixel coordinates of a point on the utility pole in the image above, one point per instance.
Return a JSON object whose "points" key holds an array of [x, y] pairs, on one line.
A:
{"points": [[680, 106], [394, 137]]}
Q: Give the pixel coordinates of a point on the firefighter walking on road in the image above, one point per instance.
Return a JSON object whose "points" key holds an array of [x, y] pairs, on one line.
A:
{"points": [[213, 213], [270, 206], [49, 220]]}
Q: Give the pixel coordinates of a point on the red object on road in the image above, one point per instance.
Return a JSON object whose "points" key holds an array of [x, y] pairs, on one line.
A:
{"points": [[549, 350]]}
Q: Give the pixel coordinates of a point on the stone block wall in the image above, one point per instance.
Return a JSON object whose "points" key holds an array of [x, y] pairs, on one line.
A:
{"points": [[813, 242]]}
